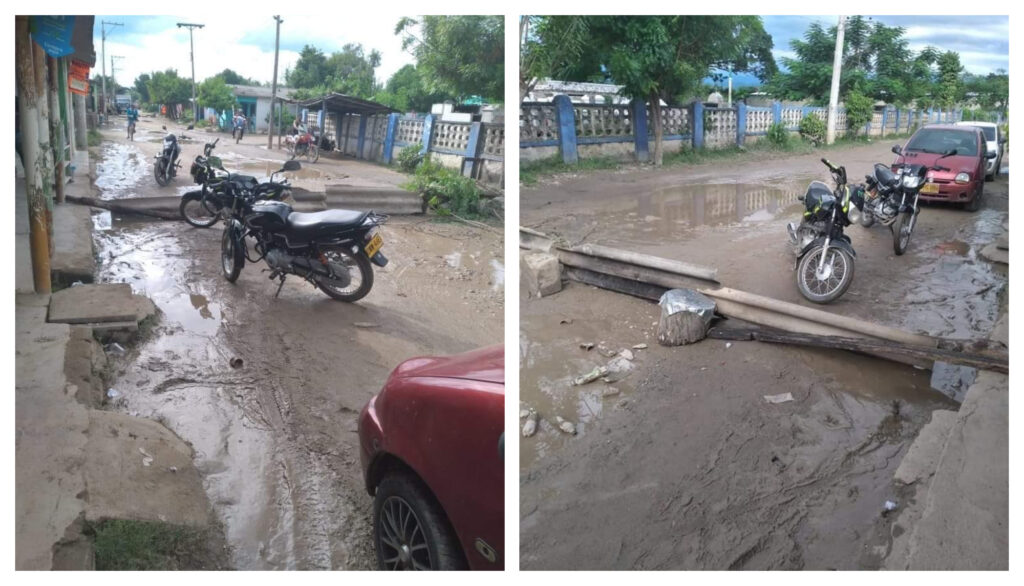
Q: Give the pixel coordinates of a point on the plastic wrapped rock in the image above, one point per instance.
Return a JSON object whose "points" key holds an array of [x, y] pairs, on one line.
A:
{"points": [[685, 317]]}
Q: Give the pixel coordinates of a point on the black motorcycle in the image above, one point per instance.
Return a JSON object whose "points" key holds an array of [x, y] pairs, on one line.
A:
{"points": [[166, 166], [825, 255], [220, 189], [332, 249], [892, 197]]}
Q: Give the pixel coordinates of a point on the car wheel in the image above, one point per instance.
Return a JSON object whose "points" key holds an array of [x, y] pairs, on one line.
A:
{"points": [[975, 204], [410, 531]]}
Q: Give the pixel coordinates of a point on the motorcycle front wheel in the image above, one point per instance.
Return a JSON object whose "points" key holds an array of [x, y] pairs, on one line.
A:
{"points": [[358, 278], [901, 231], [312, 153], [232, 257], [831, 282], [197, 212], [160, 173]]}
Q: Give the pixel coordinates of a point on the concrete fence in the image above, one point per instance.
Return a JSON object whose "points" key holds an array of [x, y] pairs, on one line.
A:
{"points": [[576, 131], [475, 149]]}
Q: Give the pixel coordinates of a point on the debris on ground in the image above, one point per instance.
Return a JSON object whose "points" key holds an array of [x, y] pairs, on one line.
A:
{"points": [[115, 348], [366, 324], [147, 458], [610, 392], [530, 427], [591, 376], [685, 317], [889, 507], [565, 322], [236, 363], [524, 413], [781, 398], [728, 345], [588, 346], [627, 354], [640, 346], [566, 426], [113, 394]]}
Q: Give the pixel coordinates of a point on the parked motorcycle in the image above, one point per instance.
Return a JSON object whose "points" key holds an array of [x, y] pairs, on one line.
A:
{"points": [[825, 255], [305, 145], [220, 189], [166, 166], [892, 197], [333, 249]]}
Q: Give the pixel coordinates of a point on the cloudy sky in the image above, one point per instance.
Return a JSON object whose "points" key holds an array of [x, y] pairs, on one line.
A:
{"points": [[983, 42], [244, 43]]}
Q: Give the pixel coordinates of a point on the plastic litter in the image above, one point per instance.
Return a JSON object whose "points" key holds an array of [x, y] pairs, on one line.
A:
{"points": [[147, 459], [113, 394], [566, 426], [530, 427], [640, 347], [776, 399], [676, 300], [591, 376], [115, 348], [77, 283], [236, 363], [728, 345], [627, 354], [889, 507], [588, 346]]}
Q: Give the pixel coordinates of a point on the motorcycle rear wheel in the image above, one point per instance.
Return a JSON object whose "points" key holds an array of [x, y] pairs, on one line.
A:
{"points": [[232, 257], [832, 287], [312, 153], [353, 291], [196, 212], [901, 232]]}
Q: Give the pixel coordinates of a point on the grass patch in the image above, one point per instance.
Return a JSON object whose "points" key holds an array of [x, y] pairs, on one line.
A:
{"points": [[531, 171], [144, 545], [93, 137]]}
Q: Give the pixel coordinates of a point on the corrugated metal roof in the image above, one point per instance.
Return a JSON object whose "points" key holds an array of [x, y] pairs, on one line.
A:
{"points": [[343, 103]]}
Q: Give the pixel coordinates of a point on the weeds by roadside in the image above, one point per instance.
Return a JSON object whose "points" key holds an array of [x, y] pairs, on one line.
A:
{"points": [[531, 171], [93, 137], [143, 545]]}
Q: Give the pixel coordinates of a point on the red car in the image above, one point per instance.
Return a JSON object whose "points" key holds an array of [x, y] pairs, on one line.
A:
{"points": [[432, 450], [965, 181]]}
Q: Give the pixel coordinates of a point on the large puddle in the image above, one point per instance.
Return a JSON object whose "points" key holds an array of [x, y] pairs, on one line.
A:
{"points": [[121, 168]]}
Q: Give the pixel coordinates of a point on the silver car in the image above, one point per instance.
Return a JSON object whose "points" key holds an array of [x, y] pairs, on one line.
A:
{"points": [[995, 140]]}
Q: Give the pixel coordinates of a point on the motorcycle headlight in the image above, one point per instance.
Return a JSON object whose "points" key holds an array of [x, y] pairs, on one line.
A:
{"points": [[854, 215], [962, 178], [911, 181]]}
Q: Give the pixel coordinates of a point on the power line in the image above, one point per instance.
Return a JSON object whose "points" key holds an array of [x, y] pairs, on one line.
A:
{"points": [[192, 57]]}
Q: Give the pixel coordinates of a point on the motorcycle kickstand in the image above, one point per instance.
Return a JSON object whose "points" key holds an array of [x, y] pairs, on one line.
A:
{"points": [[279, 287]]}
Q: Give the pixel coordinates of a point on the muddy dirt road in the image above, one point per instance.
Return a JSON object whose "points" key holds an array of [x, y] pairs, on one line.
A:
{"points": [[275, 439], [685, 465]]}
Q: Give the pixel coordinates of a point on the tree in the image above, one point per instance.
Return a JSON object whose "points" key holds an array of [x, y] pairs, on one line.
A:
{"points": [[990, 92], [141, 87], [309, 71], [351, 71], [860, 109], [214, 93], [406, 91], [231, 77], [165, 87], [458, 55], [662, 58], [949, 89], [553, 47]]}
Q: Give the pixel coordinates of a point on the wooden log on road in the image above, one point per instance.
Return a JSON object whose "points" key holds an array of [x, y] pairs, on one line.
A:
{"points": [[993, 359]]}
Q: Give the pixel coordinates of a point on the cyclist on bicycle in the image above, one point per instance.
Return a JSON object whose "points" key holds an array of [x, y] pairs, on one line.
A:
{"points": [[133, 116]]}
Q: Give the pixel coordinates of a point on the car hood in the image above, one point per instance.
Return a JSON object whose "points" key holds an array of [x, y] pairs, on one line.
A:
{"points": [[484, 364], [957, 163]]}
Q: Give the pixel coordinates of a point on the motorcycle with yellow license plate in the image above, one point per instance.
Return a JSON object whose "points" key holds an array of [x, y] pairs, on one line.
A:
{"points": [[825, 255]]}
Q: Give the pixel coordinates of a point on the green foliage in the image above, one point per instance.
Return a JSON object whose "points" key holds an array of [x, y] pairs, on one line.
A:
{"points": [[990, 92], [349, 71], [93, 137], [555, 47], [531, 171], [860, 109], [949, 89], [813, 129], [409, 157], [233, 78], [141, 87], [143, 545], [286, 117], [165, 87], [203, 123], [461, 56], [444, 190], [214, 93], [406, 91], [778, 135]]}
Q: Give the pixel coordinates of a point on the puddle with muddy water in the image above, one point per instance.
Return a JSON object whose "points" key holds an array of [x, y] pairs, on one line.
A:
{"points": [[121, 168]]}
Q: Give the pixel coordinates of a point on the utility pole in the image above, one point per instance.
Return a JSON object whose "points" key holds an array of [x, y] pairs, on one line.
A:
{"points": [[192, 56], [273, 85], [833, 100], [103, 60]]}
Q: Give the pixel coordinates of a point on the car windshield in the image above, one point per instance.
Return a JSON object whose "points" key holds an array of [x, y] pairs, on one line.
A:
{"points": [[941, 140]]}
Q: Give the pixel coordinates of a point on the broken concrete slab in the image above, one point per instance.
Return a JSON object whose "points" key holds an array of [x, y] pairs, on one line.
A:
{"points": [[1001, 331], [94, 303], [993, 253], [73, 256], [138, 469], [923, 456], [541, 273]]}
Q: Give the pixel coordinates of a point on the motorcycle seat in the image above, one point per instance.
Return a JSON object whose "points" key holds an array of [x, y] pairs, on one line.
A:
{"points": [[306, 221]]}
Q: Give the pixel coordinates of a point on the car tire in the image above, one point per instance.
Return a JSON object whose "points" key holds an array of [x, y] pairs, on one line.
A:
{"points": [[975, 204], [400, 492]]}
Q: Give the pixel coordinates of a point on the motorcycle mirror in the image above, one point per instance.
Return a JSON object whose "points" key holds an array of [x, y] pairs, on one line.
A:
{"points": [[896, 149], [291, 166]]}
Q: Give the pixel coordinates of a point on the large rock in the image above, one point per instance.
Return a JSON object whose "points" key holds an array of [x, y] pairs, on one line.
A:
{"points": [[73, 257], [97, 303], [541, 273]]}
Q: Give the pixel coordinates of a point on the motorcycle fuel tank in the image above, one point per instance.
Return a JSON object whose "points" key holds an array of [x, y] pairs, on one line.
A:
{"points": [[269, 215]]}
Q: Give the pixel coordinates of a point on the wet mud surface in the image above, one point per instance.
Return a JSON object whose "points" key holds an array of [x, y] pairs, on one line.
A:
{"points": [[686, 465], [274, 434]]}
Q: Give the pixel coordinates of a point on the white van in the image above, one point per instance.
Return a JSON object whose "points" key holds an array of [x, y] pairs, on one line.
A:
{"points": [[995, 140]]}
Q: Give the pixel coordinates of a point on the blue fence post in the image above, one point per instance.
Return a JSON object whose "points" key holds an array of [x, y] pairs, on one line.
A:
{"points": [[897, 120], [741, 123], [361, 142], [776, 112], [698, 125], [641, 144], [469, 156], [389, 137], [428, 131], [565, 117], [885, 119]]}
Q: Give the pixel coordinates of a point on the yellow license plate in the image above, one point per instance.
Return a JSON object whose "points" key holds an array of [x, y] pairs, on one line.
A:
{"points": [[375, 243], [930, 188]]}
